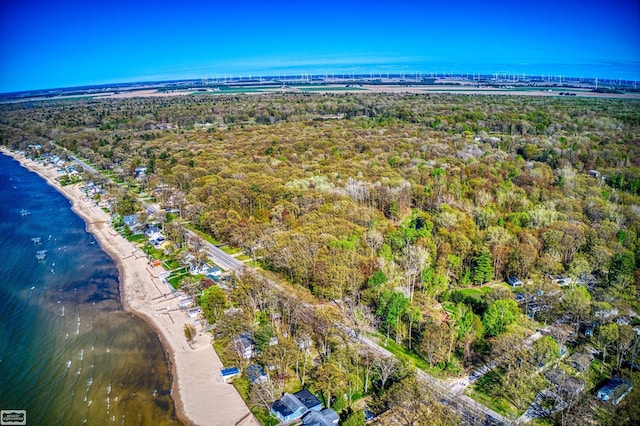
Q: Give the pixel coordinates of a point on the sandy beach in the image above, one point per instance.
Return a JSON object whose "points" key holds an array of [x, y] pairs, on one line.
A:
{"points": [[200, 395]]}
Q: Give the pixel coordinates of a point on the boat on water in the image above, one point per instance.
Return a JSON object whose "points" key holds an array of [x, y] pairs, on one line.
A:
{"points": [[25, 212]]}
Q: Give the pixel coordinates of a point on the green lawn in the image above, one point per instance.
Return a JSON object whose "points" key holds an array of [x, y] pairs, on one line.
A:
{"points": [[153, 252], [176, 278], [136, 238], [477, 292], [230, 250], [171, 264]]}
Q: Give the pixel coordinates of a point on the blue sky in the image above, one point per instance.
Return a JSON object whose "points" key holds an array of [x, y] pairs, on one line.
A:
{"points": [[47, 44]]}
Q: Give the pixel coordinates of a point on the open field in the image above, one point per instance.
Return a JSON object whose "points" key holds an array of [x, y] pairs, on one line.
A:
{"points": [[462, 87]]}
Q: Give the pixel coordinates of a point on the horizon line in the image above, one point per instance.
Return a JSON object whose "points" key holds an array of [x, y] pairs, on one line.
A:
{"points": [[302, 76]]}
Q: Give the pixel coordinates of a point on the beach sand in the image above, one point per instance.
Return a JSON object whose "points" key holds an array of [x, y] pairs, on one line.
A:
{"points": [[200, 395]]}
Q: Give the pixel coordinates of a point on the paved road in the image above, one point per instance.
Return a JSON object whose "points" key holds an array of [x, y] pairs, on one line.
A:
{"points": [[220, 258], [84, 165]]}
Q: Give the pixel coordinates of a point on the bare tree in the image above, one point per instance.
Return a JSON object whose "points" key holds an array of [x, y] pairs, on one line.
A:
{"points": [[385, 368]]}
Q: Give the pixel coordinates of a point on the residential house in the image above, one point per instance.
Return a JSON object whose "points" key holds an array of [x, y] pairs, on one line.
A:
{"points": [[309, 400], [606, 313], [214, 273], [580, 361], [140, 172], [304, 342], [288, 408], [563, 382], [151, 229], [256, 374], [244, 346], [562, 281], [326, 417], [514, 281], [185, 302], [157, 240], [614, 390], [194, 268], [229, 373], [194, 312], [132, 222], [293, 406]]}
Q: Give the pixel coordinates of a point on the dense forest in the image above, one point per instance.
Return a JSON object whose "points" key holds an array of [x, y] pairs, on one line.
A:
{"points": [[404, 213]]}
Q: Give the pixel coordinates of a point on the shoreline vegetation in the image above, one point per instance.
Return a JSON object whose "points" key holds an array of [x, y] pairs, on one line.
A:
{"points": [[199, 395]]}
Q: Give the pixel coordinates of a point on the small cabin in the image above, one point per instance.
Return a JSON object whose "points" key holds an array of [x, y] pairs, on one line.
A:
{"points": [[229, 373], [514, 281]]}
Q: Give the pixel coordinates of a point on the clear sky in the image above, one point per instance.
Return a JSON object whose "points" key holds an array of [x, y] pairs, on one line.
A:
{"points": [[56, 43]]}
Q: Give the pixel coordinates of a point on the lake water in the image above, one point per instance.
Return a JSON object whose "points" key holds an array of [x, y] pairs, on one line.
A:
{"points": [[69, 354]]}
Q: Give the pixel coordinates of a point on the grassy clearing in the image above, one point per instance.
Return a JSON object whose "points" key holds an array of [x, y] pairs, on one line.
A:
{"points": [[475, 292], [201, 234], [242, 385], [230, 250]]}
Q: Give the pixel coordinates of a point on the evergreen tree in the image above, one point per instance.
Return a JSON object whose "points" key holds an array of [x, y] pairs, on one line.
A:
{"points": [[483, 271]]}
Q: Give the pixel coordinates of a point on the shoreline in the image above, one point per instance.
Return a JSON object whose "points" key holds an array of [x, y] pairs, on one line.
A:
{"points": [[199, 395]]}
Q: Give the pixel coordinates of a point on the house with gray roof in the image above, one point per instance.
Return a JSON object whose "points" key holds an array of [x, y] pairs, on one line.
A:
{"points": [[580, 361], [614, 390], [293, 406], [326, 417]]}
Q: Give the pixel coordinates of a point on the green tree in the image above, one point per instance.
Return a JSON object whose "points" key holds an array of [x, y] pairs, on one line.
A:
{"points": [[621, 276], [393, 305], [354, 418], [434, 343], [545, 350], [414, 403], [330, 379], [126, 204], [609, 333], [483, 270], [262, 335], [414, 314], [576, 302], [498, 316], [213, 302]]}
